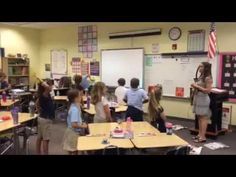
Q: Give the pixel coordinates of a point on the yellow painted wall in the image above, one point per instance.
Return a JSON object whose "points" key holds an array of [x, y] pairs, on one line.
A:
{"points": [[22, 40], [66, 38], [38, 43]]}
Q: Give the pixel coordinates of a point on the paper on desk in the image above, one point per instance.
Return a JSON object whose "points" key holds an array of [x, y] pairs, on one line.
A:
{"points": [[143, 134], [216, 145]]}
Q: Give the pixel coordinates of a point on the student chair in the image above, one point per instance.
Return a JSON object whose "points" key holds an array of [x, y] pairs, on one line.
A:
{"points": [[28, 130], [111, 150], [180, 150], [6, 143]]}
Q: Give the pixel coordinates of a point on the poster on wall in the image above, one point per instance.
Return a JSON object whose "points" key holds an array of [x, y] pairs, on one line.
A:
{"points": [[179, 91], [59, 62], [76, 66], [94, 68], [227, 74], [155, 48], [87, 40], [226, 116], [84, 68], [47, 67]]}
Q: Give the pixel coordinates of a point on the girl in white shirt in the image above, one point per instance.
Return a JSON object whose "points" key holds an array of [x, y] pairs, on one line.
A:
{"points": [[102, 109]]}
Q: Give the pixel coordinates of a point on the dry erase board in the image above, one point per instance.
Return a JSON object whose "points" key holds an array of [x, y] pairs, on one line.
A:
{"points": [[122, 63], [174, 73], [227, 74]]}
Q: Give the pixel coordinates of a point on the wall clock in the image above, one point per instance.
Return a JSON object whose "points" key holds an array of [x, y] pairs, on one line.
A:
{"points": [[175, 33]]}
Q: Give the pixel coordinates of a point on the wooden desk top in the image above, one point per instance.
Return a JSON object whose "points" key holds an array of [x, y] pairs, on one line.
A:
{"points": [[143, 127], [86, 143], [64, 88], [102, 128], [8, 103], [22, 94], [65, 98], [137, 127], [160, 140], [60, 98], [140, 140], [8, 124], [91, 111]]}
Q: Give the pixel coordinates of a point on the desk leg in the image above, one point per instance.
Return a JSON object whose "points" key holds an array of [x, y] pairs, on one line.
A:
{"points": [[16, 141]]}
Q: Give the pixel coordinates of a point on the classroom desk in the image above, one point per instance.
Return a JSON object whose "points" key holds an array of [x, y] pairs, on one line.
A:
{"points": [[153, 141], [91, 111], [86, 143], [60, 98], [141, 139], [62, 91], [8, 124], [137, 127], [22, 94], [65, 98], [8, 103], [157, 141], [102, 128]]}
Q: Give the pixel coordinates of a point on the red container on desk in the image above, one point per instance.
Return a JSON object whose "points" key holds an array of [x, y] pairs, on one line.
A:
{"points": [[169, 128]]}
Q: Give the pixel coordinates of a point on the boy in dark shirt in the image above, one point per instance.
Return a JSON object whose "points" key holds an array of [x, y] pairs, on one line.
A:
{"points": [[46, 111]]}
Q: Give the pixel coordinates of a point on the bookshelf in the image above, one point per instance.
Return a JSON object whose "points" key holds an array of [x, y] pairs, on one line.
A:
{"points": [[17, 71]]}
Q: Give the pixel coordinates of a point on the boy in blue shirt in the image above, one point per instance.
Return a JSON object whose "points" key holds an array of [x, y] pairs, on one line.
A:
{"points": [[75, 126], [135, 97]]}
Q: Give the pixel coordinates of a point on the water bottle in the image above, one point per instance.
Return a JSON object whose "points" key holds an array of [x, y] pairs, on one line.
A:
{"points": [[88, 102], [128, 124], [13, 96], [169, 129], [129, 127], [58, 93], [15, 116], [4, 96], [31, 108]]}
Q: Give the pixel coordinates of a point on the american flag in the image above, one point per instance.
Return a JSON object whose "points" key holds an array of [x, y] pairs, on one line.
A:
{"points": [[212, 42]]}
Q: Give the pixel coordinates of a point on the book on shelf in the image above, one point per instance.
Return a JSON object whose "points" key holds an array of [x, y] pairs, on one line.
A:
{"points": [[24, 71]]}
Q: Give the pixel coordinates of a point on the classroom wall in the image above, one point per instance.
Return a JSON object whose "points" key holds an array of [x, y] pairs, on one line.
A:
{"points": [[66, 38], [38, 43], [22, 40]]}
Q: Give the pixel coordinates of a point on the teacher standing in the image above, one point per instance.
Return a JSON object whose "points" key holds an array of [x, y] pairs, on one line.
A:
{"points": [[201, 100]]}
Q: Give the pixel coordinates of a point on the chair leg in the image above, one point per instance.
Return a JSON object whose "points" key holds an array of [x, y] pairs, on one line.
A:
{"points": [[27, 146]]}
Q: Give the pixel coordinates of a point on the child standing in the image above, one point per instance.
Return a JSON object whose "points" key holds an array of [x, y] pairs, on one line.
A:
{"points": [[135, 98], [156, 111], [77, 79], [46, 114], [102, 109], [3, 83], [120, 90], [75, 125]]}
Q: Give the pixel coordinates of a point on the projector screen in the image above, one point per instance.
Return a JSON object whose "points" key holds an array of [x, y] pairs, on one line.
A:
{"points": [[122, 63]]}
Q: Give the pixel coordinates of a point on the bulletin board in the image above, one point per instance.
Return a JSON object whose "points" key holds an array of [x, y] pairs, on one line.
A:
{"points": [[227, 74], [59, 62]]}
